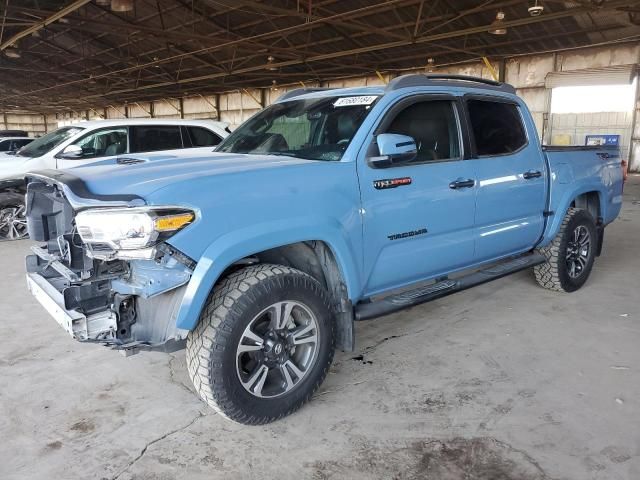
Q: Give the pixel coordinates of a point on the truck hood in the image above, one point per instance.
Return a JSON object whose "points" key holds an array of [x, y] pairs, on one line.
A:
{"points": [[141, 176]]}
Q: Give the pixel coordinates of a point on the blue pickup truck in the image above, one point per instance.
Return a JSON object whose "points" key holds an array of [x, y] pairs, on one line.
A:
{"points": [[328, 207]]}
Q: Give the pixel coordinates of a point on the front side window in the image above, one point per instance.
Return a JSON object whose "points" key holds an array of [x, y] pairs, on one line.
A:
{"points": [[5, 145], [104, 142], [313, 129], [152, 138], [497, 127], [48, 142], [201, 137], [434, 127]]}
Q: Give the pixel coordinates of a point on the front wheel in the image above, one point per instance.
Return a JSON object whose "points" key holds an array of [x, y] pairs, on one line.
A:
{"points": [[264, 343], [570, 255], [13, 221]]}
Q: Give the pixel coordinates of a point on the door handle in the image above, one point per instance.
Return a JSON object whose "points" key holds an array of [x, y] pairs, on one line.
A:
{"points": [[456, 184], [531, 174]]}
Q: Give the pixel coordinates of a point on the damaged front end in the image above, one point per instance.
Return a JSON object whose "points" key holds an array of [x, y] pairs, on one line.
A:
{"points": [[105, 272]]}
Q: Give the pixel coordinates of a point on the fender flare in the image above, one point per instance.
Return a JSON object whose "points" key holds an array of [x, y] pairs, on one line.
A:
{"points": [[231, 247], [562, 205]]}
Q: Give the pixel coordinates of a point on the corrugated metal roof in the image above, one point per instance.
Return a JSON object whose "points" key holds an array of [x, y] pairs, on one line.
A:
{"points": [[171, 48]]}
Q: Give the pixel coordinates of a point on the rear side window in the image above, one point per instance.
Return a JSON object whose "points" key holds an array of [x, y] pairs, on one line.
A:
{"points": [[201, 137], [497, 127], [5, 145], [155, 137]]}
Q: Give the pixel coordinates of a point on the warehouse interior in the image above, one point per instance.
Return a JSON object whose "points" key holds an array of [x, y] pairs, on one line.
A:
{"points": [[505, 381], [226, 60]]}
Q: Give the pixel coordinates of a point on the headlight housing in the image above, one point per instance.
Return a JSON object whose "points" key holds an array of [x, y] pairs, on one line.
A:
{"points": [[131, 229]]}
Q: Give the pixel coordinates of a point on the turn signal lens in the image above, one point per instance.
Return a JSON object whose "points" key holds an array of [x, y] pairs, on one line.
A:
{"points": [[173, 222]]}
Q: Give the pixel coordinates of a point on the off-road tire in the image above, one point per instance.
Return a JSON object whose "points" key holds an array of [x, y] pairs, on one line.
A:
{"points": [[10, 199], [554, 274], [211, 346]]}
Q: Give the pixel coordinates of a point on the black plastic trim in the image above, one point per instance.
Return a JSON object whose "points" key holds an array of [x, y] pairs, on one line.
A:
{"points": [[77, 186], [422, 80], [578, 148], [406, 299], [300, 91]]}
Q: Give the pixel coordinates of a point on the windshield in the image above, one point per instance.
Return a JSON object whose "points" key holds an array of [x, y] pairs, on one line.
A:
{"points": [[47, 142], [314, 129]]}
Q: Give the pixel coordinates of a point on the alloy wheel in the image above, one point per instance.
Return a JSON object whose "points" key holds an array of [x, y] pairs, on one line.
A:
{"points": [[277, 349], [578, 251], [13, 222]]}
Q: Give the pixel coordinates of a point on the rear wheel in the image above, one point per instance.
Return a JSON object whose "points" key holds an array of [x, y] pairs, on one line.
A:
{"points": [[570, 255], [264, 343], [13, 220]]}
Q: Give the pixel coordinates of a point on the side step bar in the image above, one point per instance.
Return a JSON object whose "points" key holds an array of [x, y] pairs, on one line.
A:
{"points": [[400, 301]]}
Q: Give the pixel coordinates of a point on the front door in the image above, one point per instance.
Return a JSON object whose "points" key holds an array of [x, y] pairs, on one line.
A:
{"points": [[419, 216], [98, 145]]}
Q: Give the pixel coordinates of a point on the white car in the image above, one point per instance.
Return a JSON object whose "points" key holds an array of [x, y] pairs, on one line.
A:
{"points": [[12, 144], [99, 141]]}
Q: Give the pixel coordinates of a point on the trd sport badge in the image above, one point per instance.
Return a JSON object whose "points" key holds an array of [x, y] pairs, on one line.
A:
{"points": [[391, 183]]}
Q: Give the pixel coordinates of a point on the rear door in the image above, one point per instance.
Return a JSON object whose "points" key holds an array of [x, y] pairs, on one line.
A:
{"points": [[417, 223], [511, 175], [153, 138]]}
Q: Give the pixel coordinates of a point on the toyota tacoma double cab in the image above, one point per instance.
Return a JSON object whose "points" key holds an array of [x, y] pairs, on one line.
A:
{"points": [[328, 207]]}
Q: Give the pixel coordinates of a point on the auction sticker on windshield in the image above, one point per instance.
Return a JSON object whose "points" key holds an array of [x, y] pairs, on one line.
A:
{"points": [[360, 100]]}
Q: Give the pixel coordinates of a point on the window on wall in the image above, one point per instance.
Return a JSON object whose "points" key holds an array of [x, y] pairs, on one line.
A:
{"points": [[497, 127], [433, 126]]}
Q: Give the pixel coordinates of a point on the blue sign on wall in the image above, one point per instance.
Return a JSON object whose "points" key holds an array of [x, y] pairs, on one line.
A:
{"points": [[602, 140]]}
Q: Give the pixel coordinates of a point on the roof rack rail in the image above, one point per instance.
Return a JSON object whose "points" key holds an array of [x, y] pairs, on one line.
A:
{"points": [[300, 91], [422, 80]]}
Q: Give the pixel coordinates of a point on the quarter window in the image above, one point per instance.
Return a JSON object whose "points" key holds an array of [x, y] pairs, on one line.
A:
{"points": [[154, 138], [434, 127], [104, 142], [497, 127], [201, 137]]}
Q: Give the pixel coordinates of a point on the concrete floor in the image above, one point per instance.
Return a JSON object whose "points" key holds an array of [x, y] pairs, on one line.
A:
{"points": [[506, 381]]}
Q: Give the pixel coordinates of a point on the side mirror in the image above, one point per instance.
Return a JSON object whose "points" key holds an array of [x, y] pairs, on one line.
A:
{"points": [[394, 150], [71, 152]]}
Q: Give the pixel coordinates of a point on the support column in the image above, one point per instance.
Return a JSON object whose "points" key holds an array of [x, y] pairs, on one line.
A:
{"points": [[634, 150]]}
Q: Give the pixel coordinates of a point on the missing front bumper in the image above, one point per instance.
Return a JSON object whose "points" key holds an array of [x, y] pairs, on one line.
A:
{"points": [[101, 326]]}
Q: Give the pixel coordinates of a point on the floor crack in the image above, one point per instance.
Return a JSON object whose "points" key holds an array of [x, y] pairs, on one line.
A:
{"points": [[152, 442], [172, 377], [371, 348]]}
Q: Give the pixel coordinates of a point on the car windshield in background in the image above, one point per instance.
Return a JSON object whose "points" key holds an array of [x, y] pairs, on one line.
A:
{"points": [[47, 142], [314, 129]]}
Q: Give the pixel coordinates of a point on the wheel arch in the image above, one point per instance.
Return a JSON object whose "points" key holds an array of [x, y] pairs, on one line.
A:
{"points": [[589, 201], [588, 197], [327, 260]]}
